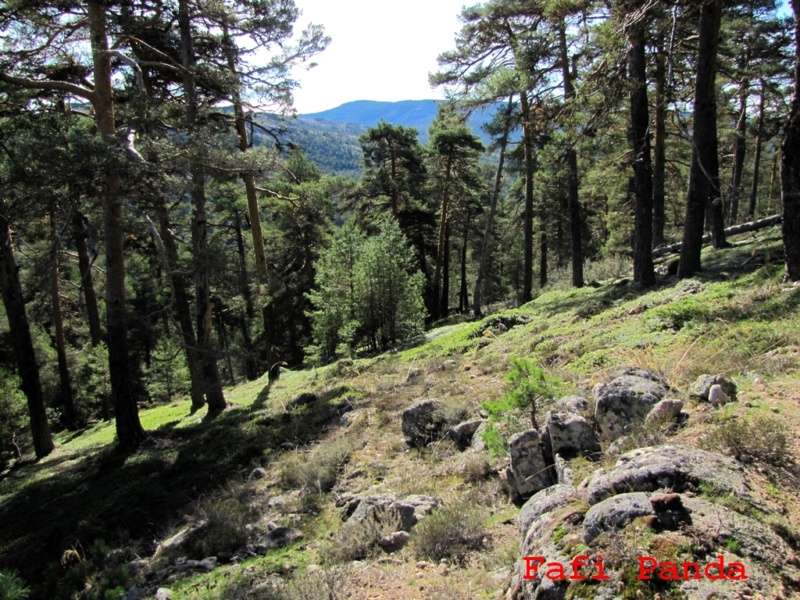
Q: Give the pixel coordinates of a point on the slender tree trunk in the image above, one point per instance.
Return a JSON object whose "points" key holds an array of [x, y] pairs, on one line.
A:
{"points": [[440, 247], [66, 397], [250, 367], [202, 258], [571, 161], [704, 139], [128, 427], [790, 167], [642, 167], [463, 294], [444, 302], [542, 258], [21, 340], [659, 146], [182, 309], [738, 151], [772, 177], [487, 232], [80, 234], [527, 218], [751, 210]]}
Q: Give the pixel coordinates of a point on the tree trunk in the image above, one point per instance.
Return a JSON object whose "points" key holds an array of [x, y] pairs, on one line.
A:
{"points": [[639, 136], [487, 232], [527, 218], [66, 397], [704, 139], [463, 294], [738, 151], [250, 367], [751, 210], [202, 258], [440, 246], [571, 161], [80, 234], [182, 309], [790, 167], [21, 340], [444, 302], [659, 146], [732, 230], [128, 427]]}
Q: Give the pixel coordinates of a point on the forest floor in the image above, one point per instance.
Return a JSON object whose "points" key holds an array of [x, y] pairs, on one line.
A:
{"points": [[88, 519]]}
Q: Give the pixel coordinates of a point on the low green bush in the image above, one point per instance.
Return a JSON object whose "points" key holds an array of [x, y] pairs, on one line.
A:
{"points": [[450, 532]]}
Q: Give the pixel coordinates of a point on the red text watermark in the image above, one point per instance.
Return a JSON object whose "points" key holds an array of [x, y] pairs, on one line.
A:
{"points": [[537, 567]]}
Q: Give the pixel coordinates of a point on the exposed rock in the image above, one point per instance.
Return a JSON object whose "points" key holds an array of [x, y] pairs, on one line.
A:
{"points": [[302, 400], [645, 374], [173, 545], [276, 537], [477, 442], [664, 412], [702, 386], [449, 365], [570, 434], [717, 396], [463, 433], [678, 468], [424, 422], [615, 513], [624, 402], [163, 594], [394, 541], [413, 374], [574, 404], [563, 470], [406, 511], [544, 502], [257, 473], [528, 472]]}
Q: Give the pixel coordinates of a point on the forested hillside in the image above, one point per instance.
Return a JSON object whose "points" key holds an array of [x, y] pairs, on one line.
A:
{"points": [[164, 236]]}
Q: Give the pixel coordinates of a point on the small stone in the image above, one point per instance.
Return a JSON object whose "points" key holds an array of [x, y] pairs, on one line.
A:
{"points": [[717, 396], [257, 473], [394, 541], [775, 409], [163, 594], [423, 565]]}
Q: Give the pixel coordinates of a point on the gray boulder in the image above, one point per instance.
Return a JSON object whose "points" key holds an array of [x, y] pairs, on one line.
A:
{"points": [[570, 434], [544, 502], [678, 468], [404, 512], [394, 541], [528, 472], [717, 396], [563, 470], [702, 387], [573, 404], [645, 374], [424, 422], [615, 513], [624, 402], [665, 412], [477, 442]]}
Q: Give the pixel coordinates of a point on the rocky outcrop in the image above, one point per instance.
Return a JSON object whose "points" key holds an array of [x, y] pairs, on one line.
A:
{"points": [[625, 402], [570, 434], [463, 433], [573, 404], [701, 388], [407, 511], [528, 472], [424, 422], [665, 412]]}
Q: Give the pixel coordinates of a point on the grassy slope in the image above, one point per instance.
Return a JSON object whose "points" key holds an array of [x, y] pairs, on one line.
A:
{"points": [[735, 319]]}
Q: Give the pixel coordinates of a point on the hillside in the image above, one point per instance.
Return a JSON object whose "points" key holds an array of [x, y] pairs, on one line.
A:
{"points": [[253, 503]]}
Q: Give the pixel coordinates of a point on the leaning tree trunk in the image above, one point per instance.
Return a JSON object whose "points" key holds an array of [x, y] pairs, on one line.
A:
{"points": [[128, 426], [571, 161], [487, 233], [704, 139], [790, 167], [21, 341], [642, 167], [202, 257]]}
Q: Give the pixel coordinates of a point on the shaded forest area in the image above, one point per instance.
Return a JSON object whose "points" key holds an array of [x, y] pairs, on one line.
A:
{"points": [[151, 249]]}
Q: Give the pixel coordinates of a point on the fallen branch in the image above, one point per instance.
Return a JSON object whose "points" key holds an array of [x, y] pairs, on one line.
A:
{"points": [[741, 228]]}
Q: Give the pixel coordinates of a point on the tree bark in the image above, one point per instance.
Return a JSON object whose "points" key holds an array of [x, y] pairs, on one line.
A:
{"points": [[704, 139], [571, 161], [751, 210], [487, 232], [639, 136], [463, 294], [202, 284], [444, 301], [790, 167], [21, 341], [738, 151], [80, 234], [128, 427], [66, 396], [527, 218], [250, 367], [659, 146], [440, 246]]}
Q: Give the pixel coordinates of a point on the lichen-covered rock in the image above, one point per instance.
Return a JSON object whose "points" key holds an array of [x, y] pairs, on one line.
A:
{"points": [[570, 434], [717, 396], [625, 402], [528, 472], [573, 404], [563, 470], [664, 412], [702, 386], [544, 502], [405, 512], [677, 468], [424, 422], [615, 513]]}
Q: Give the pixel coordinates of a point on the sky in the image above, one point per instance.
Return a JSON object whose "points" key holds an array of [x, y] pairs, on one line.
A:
{"points": [[379, 50]]}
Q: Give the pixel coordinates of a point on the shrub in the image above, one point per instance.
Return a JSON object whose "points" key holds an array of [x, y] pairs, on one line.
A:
{"points": [[763, 438], [318, 472], [226, 516], [450, 532], [357, 540]]}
